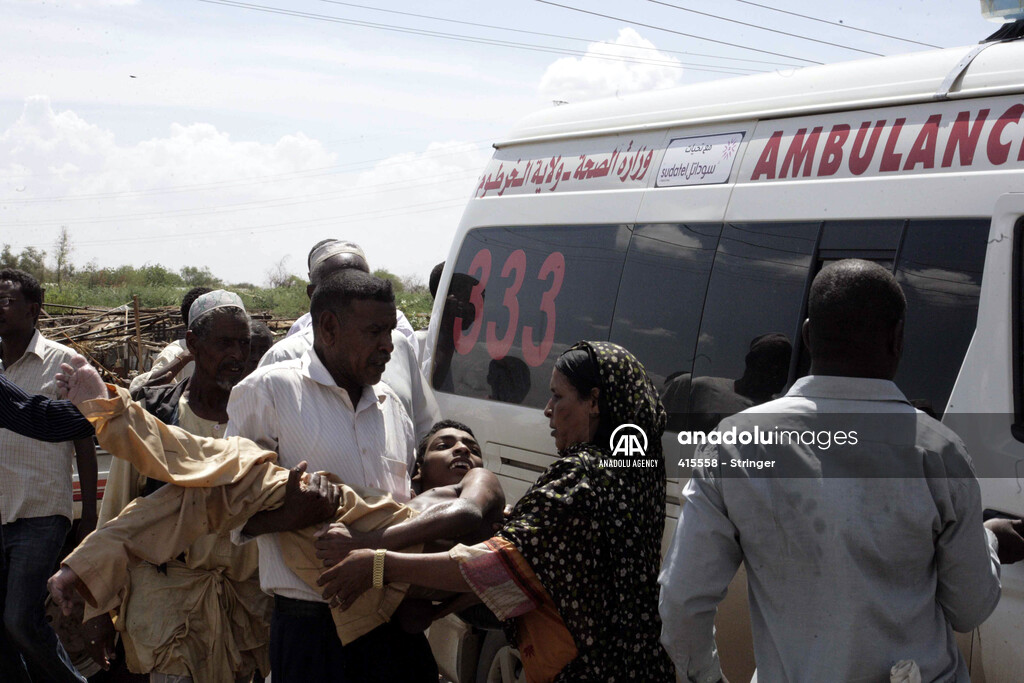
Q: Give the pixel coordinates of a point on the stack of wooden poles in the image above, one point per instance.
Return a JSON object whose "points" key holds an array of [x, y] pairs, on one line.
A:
{"points": [[123, 341]]}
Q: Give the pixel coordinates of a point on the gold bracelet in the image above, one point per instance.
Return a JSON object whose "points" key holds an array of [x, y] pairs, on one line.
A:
{"points": [[378, 568]]}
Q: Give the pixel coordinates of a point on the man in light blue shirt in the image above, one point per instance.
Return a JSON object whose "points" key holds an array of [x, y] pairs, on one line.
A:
{"points": [[858, 554]]}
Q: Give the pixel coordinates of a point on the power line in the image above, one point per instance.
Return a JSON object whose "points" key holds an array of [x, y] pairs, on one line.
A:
{"points": [[480, 40], [734, 71], [270, 227], [836, 23], [668, 30], [548, 35], [256, 203], [765, 28], [241, 182]]}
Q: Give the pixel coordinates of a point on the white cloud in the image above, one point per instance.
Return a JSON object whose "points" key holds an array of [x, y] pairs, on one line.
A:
{"points": [[605, 70], [196, 196], [60, 154], [421, 197]]}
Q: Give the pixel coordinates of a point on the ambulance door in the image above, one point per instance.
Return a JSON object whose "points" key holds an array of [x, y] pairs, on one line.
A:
{"points": [[986, 409]]}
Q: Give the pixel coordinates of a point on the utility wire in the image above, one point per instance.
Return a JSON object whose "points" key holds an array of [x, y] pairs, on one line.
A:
{"points": [[765, 28], [549, 35], [735, 71], [836, 23], [260, 204], [439, 205], [668, 30], [256, 180]]}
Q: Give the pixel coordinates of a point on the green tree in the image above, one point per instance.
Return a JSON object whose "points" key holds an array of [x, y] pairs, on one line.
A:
{"points": [[278, 276], [396, 282], [33, 261], [199, 277], [155, 275], [62, 256]]}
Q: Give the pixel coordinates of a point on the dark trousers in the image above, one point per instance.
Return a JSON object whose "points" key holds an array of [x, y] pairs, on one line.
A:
{"points": [[304, 647], [29, 550]]}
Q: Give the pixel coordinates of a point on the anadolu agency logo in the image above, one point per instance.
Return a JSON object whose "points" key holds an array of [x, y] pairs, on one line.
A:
{"points": [[628, 444]]}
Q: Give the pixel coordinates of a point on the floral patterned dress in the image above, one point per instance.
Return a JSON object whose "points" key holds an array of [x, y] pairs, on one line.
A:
{"points": [[590, 535]]}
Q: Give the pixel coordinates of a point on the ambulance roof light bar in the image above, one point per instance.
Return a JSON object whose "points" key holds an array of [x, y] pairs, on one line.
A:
{"points": [[1009, 11], [1002, 10]]}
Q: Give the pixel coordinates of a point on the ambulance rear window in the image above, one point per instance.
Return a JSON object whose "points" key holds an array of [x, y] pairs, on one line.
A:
{"points": [[518, 298]]}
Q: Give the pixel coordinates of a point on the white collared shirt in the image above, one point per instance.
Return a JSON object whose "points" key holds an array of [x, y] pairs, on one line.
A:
{"points": [[35, 477], [846, 575], [402, 374], [296, 409]]}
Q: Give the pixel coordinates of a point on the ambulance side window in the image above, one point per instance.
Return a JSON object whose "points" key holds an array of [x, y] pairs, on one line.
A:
{"points": [[665, 279], [939, 268], [752, 314], [517, 299]]}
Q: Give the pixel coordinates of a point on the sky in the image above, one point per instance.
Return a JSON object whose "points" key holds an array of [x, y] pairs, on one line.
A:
{"points": [[235, 135]]}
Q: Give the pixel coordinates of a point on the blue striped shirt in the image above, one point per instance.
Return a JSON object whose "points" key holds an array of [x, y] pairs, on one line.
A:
{"points": [[38, 417]]}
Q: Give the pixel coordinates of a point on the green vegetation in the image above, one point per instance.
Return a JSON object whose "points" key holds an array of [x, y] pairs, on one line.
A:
{"points": [[157, 286]]}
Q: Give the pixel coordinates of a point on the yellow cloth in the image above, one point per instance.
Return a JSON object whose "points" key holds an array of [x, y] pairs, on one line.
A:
{"points": [[213, 622], [220, 483]]}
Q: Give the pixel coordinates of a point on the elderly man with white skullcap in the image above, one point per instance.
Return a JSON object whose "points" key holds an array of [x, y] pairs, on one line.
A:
{"points": [[402, 373], [329, 256], [201, 616]]}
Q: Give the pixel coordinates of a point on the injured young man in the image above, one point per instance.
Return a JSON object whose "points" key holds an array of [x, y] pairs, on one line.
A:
{"points": [[218, 484]]}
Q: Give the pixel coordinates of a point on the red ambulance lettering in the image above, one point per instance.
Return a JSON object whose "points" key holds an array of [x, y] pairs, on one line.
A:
{"points": [[963, 137], [890, 159], [832, 153], [769, 158], [861, 161], [923, 151], [998, 151], [801, 152]]}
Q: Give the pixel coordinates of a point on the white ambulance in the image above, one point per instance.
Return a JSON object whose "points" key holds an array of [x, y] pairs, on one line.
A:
{"points": [[684, 224]]}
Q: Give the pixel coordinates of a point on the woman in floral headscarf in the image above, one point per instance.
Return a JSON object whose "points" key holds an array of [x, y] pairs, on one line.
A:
{"points": [[574, 570]]}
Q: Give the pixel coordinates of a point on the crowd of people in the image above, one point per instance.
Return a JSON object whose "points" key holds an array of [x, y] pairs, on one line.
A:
{"points": [[304, 510]]}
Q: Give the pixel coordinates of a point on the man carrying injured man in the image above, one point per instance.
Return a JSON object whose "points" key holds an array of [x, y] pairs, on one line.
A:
{"points": [[219, 483]]}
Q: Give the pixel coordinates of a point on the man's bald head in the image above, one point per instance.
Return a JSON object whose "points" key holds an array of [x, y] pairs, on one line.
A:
{"points": [[331, 256], [336, 263], [855, 319]]}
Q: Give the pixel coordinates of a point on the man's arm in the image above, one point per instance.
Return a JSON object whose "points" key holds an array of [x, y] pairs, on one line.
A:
{"points": [[158, 373], [159, 526], [966, 561], [251, 414], [1009, 535], [304, 504], [38, 417], [85, 460], [303, 508], [173, 455], [701, 562], [480, 500], [166, 375]]}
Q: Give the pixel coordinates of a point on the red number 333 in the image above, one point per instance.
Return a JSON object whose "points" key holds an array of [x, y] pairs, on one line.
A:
{"points": [[552, 269]]}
